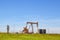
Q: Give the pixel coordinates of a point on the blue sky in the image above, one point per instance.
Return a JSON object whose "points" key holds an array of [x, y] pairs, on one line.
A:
{"points": [[18, 12]]}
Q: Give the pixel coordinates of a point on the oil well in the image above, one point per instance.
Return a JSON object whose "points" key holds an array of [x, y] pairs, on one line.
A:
{"points": [[26, 30]]}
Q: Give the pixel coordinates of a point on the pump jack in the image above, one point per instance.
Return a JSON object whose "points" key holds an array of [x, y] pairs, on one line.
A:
{"points": [[31, 23]]}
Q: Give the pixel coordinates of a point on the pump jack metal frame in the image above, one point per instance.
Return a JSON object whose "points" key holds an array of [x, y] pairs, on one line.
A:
{"points": [[31, 23]]}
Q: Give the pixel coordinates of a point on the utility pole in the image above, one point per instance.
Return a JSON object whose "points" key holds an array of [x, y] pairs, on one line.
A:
{"points": [[7, 28], [32, 28]]}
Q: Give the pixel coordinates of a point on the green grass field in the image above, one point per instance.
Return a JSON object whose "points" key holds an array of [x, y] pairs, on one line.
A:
{"points": [[4, 36]]}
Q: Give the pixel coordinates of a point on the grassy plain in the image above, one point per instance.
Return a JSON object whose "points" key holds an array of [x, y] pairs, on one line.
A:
{"points": [[5, 36]]}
